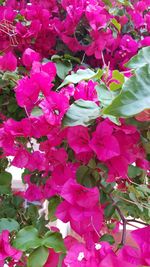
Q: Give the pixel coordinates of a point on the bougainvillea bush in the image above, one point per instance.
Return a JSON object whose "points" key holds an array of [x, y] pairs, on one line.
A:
{"points": [[74, 100]]}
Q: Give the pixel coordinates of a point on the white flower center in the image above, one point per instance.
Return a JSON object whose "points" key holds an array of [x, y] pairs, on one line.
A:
{"points": [[80, 256], [98, 246]]}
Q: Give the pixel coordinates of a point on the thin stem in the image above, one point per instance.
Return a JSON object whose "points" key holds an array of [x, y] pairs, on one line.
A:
{"points": [[124, 222]]}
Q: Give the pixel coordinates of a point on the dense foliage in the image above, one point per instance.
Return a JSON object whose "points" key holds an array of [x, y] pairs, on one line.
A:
{"points": [[74, 115]]}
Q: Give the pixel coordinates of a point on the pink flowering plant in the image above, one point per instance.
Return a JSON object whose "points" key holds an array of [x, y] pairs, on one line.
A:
{"points": [[74, 117]]}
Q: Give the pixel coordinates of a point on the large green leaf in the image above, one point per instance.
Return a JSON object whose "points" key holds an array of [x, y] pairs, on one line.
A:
{"points": [[9, 224], [27, 238], [81, 112], [105, 96], [54, 240], [80, 75], [63, 68], [134, 97], [5, 182], [141, 59], [38, 257]]}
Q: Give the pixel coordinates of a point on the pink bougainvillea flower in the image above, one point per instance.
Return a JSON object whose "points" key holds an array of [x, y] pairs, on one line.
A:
{"points": [[142, 237], [77, 194], [8, 62], [33, 193], [48, 68], [78, 139], [53, 259], [137, 18], [101, 40], [78, 256], [56, 156], [60, 175], [113, 261], [6, 250], [129, 44], [54, 107], [27, 93], [130, 254], [118, 167], [145, 41], [29, 56], [37, 161], [21, 158], [97, 16], [103, 143], [82, 220], [86, 90]]}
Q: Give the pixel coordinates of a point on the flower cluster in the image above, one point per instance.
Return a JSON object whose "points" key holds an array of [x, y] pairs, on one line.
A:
{"points": [[91, 167]]}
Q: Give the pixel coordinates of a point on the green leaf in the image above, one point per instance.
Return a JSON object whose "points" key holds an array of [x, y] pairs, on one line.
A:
{"points": [[116, 24], [32, 214], [134, 97], [107, 2], [114, 86], [109, 211], [52, 205], [81, 112], [82, 173], [80, 75], [116, 75], [71, 58], [36, 112], [54, 240], [108, 238], [134, 171], [9, 224], [38, 257], [141, 59], [10, 75], [63, 68], [27, 238], [105, 96], [5, 182]]}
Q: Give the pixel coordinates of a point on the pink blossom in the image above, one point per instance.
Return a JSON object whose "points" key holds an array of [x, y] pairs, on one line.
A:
{"points": [[129, 44], [80, 195], [53, 259], [103, 143], [78, 256], [27, 93], [54, 107], [81, 219], [33, 193], [78, 139], [101, 40], [6, 250], [117, 168], [145, 41], [130, 254], [113, 261], [8, 62], [29, 56], [142, 237], [21, 158], [86, 90]]}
